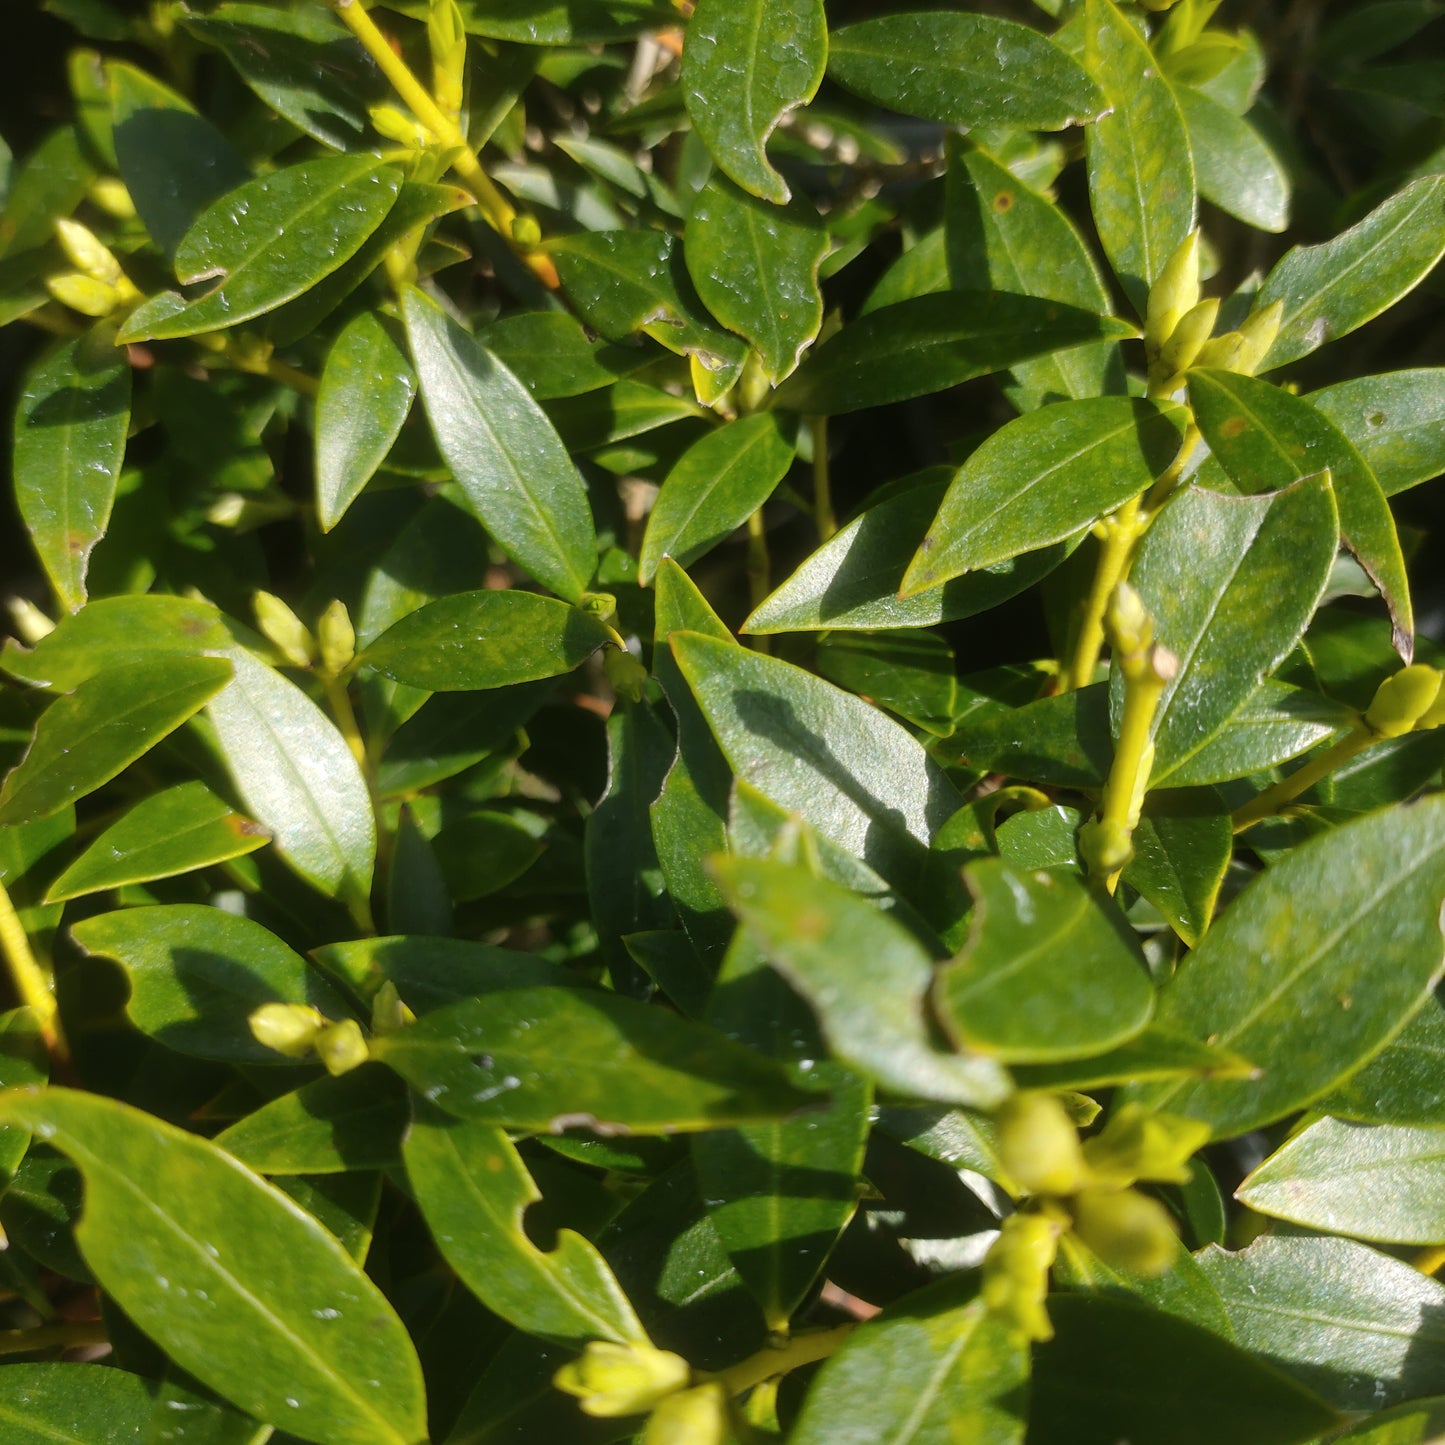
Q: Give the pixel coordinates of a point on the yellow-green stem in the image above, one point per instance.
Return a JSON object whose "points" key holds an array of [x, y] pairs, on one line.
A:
{"points": [[1429, 1261], [1132, 754], [31, 984], [1121, 531], [1168, 481], [1269, 802], [53, 1337], [822, 480], [338, 699], [759, 567], [804, 1349]]}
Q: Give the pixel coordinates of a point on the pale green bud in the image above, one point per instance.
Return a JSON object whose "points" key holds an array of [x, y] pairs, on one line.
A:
{"points": [[447, 40], [611, 1379], [1187, 339], [336, 638], [388, 1013], [1105, 846], [1127, 623], [342, 1047], [1038, 1145], [1126, 1229], [29, 623], [289, 1028], [692, 1417], [601, 605], [83, 293], [1403, 701], [1221, 353], [1258, 334], [1174, 293], [396, 125], [526, 231], [112, 197], [283, 629], [87, 253], [1136, 1144], [1016, 1273]]}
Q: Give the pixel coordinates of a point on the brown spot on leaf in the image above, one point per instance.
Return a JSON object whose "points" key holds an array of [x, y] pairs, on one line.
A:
{"points": [[1004, 201], [245, 827], [1233, 427]]}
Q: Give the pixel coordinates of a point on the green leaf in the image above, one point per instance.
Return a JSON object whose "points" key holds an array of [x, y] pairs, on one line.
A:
{"points": [[1043, 478], [268, 241], [1182, 847], [54, 1403], [550, 1058], [301, 62], [755, 266], [931, 343], [1141, 169], [823, 753], [552, 356], [623, 282], [1360, 1328], [1062, 740], [1153, 1053], [1231, 583], [473, 1190], [933, 1367], [1047, 973], [1404, 1083], [353, 1121], [197, 973], [176, 831], [560, 22], [1313, 968], [716, 485], [1393, 421], [626, 409], [88, 736], [230, 1278], [1416, 1423], [1330, 289], [507, 456], [174, 162], [366, 391], [1001, 228], [24, 1060], [485, 639], [1237, 171], [865, 976], [964, 70], [906, 670], [296, 776], [852, 581], [1116, 1370], [1265, 438], [746, 64], [1181, 1289], [70, 430], [1371, 1181]]}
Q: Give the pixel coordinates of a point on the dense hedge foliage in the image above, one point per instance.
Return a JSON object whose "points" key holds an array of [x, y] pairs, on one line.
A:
{"points": [[722, 723]]}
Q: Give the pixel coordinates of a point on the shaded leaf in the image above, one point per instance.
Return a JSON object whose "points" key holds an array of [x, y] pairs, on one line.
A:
{"points": [[1405, 1082], [1182, 847], [1063, 739], [55, 1403]]}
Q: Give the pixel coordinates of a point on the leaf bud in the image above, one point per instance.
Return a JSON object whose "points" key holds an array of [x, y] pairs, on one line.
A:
{"points": [[87, 253], [447, 41], [626, 674], [389, 1014], [1105, 846], [28, 622], [612, 1379], [1136, 1144], [342, 1047], [692, 1417], [110, 194], [396, 125], [526, 231], [289, 1028], [284, 629], [1016, 1273], [1221, 353], [601, 605], [1126, 1229], [1127, 623], [1187, 339], [1175, 292], [1038, 1145], [1258, 334], [1403, 701], [336, 638]]}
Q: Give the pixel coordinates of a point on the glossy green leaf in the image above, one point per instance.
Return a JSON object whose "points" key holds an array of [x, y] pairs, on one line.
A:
{"points": [[549, 1058], [1330, 289], [852, 581], [1000, 228], [54, 1403], [267, 242], [1043, 478], [24, 1060], [366, 391], [88, 736], [1048, 971], [1182, 847], [865, 976], [907, 670], [1359, 1328], [931, 343], [1116, 1370], [964, 70], [197, 973], [1236, 169], [485, 639], [1266, 438], [1394, 421], [816, 750], [933, 1367], [626, 409], [1153, 1053], [1371, 1181], [236, 1284], [1231, 583], [176, 831], [623, 282], [1314, 967], [500, 446], [552, 356], [173, 161], [296, 776], [755, 267], [717, 484], [473, 1190], [1181, 1289], [746, 64], [1141, 169], [70, 431], [560, 22], [1063, 739], [1405, 1082], [333, 1125]]}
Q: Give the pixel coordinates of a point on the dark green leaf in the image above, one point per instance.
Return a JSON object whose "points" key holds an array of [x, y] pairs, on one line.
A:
{"points": [[24, 1060], [70, 431], [1181, 1289], [625, 409], [906, 670], [1063, 740], [235, 1283], [1405, 1082], [1394, 421], [964, 70], [931, 343], [1182, 848], [88, 736], [184, 828], [1314, 967], [746, 64], [1236, 169], [551, 355], [504, 452]]}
